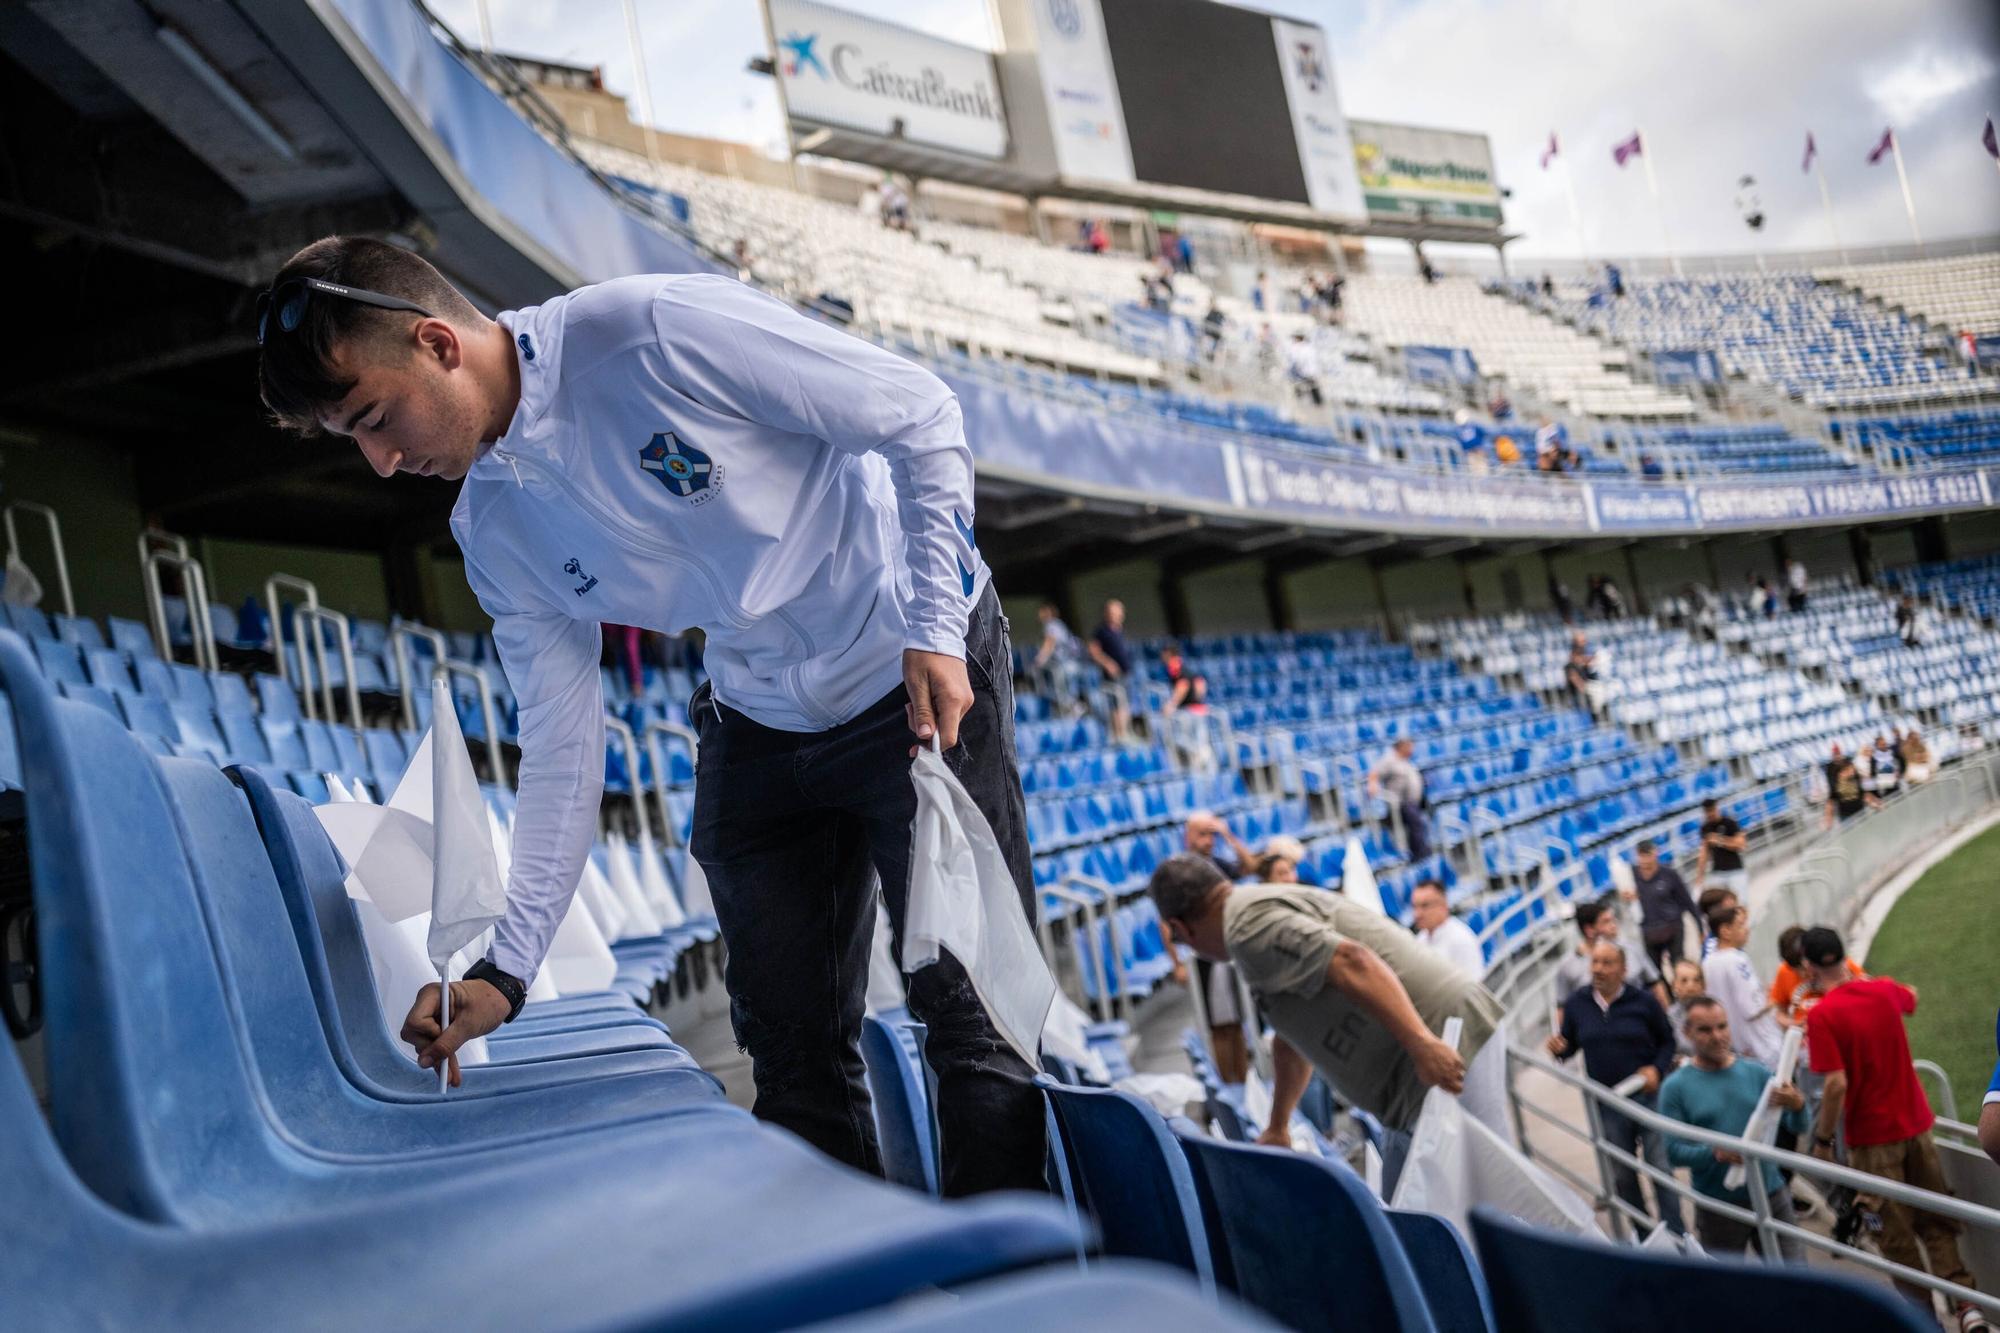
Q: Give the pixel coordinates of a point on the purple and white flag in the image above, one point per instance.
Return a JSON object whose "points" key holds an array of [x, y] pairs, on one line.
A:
{"points": [[1992, 144], [1549, 153], [1628, 149], [1880, 150], [1812, 151]]}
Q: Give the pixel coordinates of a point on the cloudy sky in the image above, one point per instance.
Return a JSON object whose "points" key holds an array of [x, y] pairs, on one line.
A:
{"points": [[1721, 88]]}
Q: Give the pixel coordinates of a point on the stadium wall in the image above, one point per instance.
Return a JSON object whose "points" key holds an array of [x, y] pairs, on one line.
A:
{"points": [[94, 490]]}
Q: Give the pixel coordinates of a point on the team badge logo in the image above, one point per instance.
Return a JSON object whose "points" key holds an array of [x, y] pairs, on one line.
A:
{"points": [[681, 468]]}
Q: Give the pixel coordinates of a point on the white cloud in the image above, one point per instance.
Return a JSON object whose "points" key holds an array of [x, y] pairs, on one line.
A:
{"points": [[1909, 89]]}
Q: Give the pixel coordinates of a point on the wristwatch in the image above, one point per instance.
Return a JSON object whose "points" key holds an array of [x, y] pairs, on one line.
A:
{"points": [[1820, 1139], [509, 986]]}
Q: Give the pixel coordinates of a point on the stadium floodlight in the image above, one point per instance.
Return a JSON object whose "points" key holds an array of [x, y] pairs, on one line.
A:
{"points": [[216, 82]]}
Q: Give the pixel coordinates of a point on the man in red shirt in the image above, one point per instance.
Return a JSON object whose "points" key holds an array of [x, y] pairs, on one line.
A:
{"points": [[1856, 1039]]}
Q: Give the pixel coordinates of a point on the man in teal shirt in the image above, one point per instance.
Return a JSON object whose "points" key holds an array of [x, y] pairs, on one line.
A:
{"points": [[1717, 1091]]}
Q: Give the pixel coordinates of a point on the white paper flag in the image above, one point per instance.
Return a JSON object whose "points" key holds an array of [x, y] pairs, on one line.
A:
{"points": [[1357, 879]]}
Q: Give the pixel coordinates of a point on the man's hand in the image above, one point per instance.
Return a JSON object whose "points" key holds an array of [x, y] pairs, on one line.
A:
{"points": [[940, 696], [1275, 1136], [1557, 1046], [1788, 1097], [1727, 1157], [1629, 895], [1651, 1075], [1440, 1066], [476, 1009], [1823, 1151]]}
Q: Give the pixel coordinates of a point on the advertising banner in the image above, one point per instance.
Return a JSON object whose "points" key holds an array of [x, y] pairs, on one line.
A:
{"points": [[856, 73], [1673, 367], [1406, 170], [1085, 116], [1326, 149]]}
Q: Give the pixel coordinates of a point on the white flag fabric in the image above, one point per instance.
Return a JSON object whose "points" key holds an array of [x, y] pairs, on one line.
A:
{"points": [[653, 882], [1455, 1162], [963, 898], [467, 893], [698, 902], [640, 921], [1357, 879], [20, 587], [595, 891], [1762, 1127]]}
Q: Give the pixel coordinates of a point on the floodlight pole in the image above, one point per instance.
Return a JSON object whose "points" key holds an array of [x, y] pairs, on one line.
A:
{"points": [[1659, 209]]}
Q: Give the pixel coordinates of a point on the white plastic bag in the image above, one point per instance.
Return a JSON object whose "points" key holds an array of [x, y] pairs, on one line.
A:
{"points": [[962, 898]]}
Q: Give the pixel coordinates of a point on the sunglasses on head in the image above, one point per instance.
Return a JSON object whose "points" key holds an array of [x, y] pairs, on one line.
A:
{"points": [[289, 299]]}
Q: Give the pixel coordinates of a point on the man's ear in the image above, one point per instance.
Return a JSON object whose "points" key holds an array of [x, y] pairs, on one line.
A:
{"points": [[440, 341]]}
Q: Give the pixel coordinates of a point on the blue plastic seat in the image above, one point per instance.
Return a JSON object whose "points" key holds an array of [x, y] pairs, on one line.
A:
{"points": [[1546, 1282], [905, 1125], [1131, 1177], [163, 1120], [79, 630], [131, 638], [1447, 1270], [1346, 1269], [276, 698]]}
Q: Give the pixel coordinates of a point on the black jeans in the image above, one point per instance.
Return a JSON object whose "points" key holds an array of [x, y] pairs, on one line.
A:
{"points": [[1625, 1133], [793, 829]]}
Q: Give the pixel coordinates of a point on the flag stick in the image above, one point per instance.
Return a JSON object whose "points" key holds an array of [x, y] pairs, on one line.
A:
{"points": [[1575, 213], [1826, 201], [645, 84], [444, 1021], [1903, 179], [1659, 209]]}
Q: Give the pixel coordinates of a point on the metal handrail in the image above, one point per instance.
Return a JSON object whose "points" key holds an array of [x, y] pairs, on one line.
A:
{"points": [[1598, 1097], [448, 668], [201, 630], [1121, 997], [277, 610], [410, 629], [615, 725], [656, 728], [1088, 905], [313, 617], [55, 542]]}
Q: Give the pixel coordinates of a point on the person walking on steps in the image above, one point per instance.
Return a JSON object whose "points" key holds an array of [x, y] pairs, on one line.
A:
{"points": [[681, 451]]}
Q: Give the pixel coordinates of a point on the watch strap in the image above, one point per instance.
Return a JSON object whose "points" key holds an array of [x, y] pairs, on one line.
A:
{"points": [[507, 985]]}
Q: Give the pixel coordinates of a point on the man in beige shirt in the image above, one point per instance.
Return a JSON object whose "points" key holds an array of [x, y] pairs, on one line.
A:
{"points": [[1349, 991]]}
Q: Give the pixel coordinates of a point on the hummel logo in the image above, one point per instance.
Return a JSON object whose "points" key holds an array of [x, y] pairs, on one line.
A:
{"points": [[576, 568]]}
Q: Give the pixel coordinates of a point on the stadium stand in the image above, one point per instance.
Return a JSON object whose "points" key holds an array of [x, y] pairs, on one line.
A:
{"points": [[1960, 294]]}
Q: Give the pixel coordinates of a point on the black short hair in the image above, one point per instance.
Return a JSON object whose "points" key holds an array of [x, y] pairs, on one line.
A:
{"points": [[1182, 884], [1700, 1002], [1710, 803], [1647, 845], [1711, 898], [295, 372], [1822, 947], [1428, 883], [1791, 945], [1587, 914], [1720, 916]]}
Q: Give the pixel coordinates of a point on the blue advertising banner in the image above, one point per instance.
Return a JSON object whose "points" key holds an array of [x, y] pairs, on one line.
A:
{"points": [[1067, 446], [1440, 365], [1692, 367]]}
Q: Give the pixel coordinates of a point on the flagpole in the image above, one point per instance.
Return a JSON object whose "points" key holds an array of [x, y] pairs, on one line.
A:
{"points": [[645, 84], [1826, 201], [1575, 213], [1659, 209], [1903, 178], [444, 1021]]}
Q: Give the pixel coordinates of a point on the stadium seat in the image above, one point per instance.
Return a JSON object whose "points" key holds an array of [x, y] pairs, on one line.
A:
{"points": [[1347, 1269], [1131, 1177], [1545, 1282], [1119, 1296], [892, 1046], [1446, 1270]]}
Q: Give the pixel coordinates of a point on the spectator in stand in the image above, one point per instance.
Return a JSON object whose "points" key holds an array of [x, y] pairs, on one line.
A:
{"points": [[895, 204], [1260, 292], [1885, 768], [1622, 1031], [1615, 280], [1720, 861], [1908, 628], [1847, 794], [1283, 861], [1595, 923], [1505, 451], [1709, 901], [1579, 674], [1604, 599], [1916, 757], [1873, 1102], [1650, 468], [1059, 655], [1348, 990], [1303, 368], [1732, 979], [740, 253], [1792, 996], [1226, 1039], [1398, 781], [1183, 253], [1095, 238], [1442, 932], [1471, 435], [1548, 286], [1199, 837], [1763, 602], [1795, 586], [1689, 985], [1663, 900], [1214, 325], [1560, 599], [1188, 690], [1717, 1090], [1107, 648], [1424, 268], [1551, 445], [1500, 407]]}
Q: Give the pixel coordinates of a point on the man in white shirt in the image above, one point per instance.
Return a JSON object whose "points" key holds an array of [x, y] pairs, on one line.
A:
{"points": [[681, 451], [1444, 933], [1733, 981], [1397, 780]]}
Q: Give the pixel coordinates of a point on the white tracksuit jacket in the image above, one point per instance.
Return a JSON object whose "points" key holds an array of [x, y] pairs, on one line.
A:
{"points": [[690, 452]]}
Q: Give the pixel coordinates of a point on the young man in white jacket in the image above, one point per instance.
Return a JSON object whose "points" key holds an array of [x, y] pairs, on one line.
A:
{"points": [[674, 452]]}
